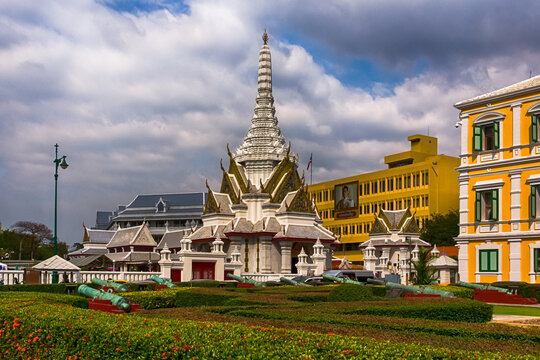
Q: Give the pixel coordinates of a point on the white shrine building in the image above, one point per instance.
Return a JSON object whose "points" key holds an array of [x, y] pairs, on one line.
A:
{"points": [[262, 220]]}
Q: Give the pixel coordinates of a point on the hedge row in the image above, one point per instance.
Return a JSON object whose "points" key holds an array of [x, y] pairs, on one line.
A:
{"points": [[350, 292], [154, 299], [52, 331], [467, 311]]}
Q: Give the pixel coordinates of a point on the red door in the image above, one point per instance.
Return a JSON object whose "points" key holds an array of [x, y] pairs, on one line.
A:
{"points": [[176, 275], [203, 270]]}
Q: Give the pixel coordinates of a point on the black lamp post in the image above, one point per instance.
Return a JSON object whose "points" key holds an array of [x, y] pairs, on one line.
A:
{"points": [[63, 164]]}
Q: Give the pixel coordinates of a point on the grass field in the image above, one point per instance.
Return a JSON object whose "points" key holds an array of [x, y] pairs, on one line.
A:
{"points": [[516, 310]]}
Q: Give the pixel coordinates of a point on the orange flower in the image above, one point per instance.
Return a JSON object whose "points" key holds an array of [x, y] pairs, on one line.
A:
{"points": [[164, 354], [186, 347], [117, 349], [36, 339]]}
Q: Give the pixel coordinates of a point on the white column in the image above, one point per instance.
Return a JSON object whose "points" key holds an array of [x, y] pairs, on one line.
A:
{"points": [[515, 259], [515, 199], [265, 254], [516, 127], [464, 134], [463, 260], [463, 203], [285, 256]]}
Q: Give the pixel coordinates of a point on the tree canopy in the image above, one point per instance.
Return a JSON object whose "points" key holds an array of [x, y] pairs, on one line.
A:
{"points": [[441, 229], [28, 240]]}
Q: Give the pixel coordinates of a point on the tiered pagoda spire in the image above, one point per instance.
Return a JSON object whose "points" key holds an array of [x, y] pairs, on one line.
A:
{"points": [[264, 146]]}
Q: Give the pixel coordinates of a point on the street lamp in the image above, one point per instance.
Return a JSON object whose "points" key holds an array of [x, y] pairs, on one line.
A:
{"points": [[63, 164]]}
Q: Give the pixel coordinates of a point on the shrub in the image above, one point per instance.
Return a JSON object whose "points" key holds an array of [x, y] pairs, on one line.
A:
{"points": [[378, 290], [466, 311], [52, 331], [206, 284], [198, 298], [46, 288], [350, 292], [154, 299], [309, 298]]}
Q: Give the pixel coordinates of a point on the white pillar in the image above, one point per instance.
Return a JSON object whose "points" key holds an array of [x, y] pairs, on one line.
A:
{"points": [[515, 199], [516, 127], [463, 260], [285, 256], [165, 263], [515, 259]]}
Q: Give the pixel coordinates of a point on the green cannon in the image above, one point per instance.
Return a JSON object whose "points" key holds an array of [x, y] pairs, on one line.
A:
{"points": [[420, 290], [376, 281], [292, 282], [163, 282], [341, 280], [246, 280], [120, 302], [482, 287], [111, 284]]}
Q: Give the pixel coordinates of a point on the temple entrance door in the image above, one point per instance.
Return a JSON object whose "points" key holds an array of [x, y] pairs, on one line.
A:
{"points": [[203, 270], [296, 248]]}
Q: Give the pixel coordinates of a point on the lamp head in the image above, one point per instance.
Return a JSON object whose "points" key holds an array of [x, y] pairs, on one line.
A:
{"points": [[64, 164]]}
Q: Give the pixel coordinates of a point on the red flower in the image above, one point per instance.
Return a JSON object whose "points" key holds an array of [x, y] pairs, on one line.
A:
{"points": [[186, 347], [164, 354]]}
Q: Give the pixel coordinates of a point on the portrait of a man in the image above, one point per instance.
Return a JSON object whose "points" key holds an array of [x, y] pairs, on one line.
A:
{"points": [[345, 196]]}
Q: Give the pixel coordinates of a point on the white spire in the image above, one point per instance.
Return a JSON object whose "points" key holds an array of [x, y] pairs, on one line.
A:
{"points": [[264, 146]]}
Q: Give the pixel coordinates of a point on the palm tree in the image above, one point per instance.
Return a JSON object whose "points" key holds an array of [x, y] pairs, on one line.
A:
{"points": [[425, 274]]}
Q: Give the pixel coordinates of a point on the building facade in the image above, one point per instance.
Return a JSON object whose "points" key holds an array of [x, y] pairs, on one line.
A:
{"points": [[499, 179], [420, 179], [160, 212]]}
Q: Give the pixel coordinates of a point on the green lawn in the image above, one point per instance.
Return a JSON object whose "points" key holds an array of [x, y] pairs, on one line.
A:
{"points": [[516, 310]]}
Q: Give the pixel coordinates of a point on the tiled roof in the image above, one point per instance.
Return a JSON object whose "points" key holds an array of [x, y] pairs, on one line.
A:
{"points": [[303, 232], [56, 263], [88, 252], [208, 232], [83, 261], [268, 224], [137, 235], [522, 85], [444, 261], [394, 218], [100, 236], [172, 239], [135, 256], [184, 199]]}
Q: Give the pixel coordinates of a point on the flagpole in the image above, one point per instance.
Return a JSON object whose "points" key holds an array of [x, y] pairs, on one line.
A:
{"points": [[311, 172]]}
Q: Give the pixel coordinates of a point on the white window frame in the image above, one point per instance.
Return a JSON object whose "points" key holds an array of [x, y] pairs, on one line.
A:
{"points": [[486, 119], [534, 109], [532, 273], [488, 246]]}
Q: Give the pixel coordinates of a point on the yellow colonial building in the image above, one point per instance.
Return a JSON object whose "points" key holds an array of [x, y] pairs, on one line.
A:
{"points": [[419, 179], [499, 180]]}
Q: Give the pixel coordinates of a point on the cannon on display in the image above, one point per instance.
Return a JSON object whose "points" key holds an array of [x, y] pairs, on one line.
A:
{"points": [[246, 280], [165, 282], [120, 302], [111, 284]]}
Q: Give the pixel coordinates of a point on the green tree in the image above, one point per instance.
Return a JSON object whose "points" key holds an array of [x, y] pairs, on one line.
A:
{"points": [[424, 272], [15, 243], [441, 229], [39, 235]]}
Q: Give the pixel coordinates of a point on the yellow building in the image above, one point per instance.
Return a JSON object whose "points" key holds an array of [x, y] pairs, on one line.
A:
{"points": [[499, 237], [418, 179]]}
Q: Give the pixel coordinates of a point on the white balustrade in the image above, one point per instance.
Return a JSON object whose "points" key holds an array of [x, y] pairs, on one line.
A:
{"points": [[129, 276], [269, 277], [9, 276]]}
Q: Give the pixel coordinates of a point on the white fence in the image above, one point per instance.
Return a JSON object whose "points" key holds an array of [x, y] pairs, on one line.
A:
{"points": [[269, 277], [130, 276], [9, 276]]}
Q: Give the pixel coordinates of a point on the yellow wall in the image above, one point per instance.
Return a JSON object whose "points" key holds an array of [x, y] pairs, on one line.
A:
{"points": [[441, 193]]}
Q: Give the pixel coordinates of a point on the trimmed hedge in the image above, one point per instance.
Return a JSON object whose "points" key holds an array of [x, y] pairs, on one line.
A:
{"points": [[459, 291], [206, 284], [350, 292], [309, 298], [52, 331], [466, 311], [154, 299], [45, 288], [198, 298]]}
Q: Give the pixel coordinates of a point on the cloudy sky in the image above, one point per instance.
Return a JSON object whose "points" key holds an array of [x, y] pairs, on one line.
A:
{"points": [[143, 96]]}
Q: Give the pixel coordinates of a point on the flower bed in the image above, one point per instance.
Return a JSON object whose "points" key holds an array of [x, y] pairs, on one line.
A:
{"points": [[34, 329]]}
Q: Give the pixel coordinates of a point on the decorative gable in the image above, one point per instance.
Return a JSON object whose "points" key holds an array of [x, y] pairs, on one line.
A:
{"points": [[291, 182], [86, 236], [378, 227], [301, 202], [404, 218], [212, 206], [237, 173], [411, 227], [227, 187]]}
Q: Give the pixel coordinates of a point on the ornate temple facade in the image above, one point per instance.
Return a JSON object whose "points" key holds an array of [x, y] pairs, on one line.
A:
{"points": [[262, 218]]}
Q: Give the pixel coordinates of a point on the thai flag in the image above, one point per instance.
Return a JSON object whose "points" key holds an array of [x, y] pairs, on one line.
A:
{"points": [[310, 161]]}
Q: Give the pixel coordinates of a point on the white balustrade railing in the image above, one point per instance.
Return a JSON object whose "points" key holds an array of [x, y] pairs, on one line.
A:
{"points": [[269, 277], [9, 276], [130, 276]]}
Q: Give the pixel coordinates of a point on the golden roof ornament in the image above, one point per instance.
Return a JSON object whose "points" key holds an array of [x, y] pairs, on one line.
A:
{"points": [[265, 37]]}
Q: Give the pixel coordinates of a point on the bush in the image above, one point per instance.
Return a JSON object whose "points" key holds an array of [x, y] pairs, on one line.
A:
{"points": [[197, 298], [206, 284], [378, 290], [46, 288], [52, 331], [459, 291], [466, 311], [154, 299], [309, 298], [350, 292]]}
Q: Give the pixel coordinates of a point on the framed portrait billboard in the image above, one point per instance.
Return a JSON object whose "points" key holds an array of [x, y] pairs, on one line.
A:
{"points": [[346, 197]]}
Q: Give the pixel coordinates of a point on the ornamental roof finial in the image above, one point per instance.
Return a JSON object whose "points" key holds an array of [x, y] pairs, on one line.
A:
{"points": [[265, 37]]}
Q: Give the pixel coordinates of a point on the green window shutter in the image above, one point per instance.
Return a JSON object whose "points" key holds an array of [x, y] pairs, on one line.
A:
{"points": [[496, 134], [483, 255], [477, 138], [534, 127], [533, 201], [494, 204], [478, 206], [494, 260]]}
